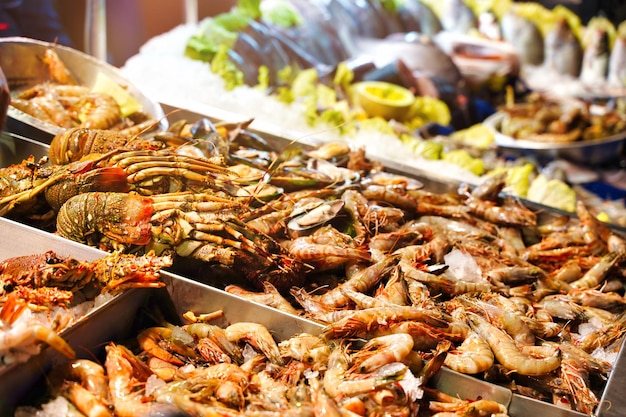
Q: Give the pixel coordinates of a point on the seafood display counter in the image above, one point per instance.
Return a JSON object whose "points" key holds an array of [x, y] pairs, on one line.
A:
{"points": [[191, 292], [24, 384]]}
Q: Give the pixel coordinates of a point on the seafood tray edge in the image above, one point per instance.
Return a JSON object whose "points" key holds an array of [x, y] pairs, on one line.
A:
{"points": [[17, 379], [451, 382]]}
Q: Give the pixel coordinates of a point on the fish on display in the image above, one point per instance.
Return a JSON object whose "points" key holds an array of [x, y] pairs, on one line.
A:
{"points": [[595, 60], [563, 52], [418, 17], [617, 62], [363, 17], [524, 36], [458, 17], [318, 32]]}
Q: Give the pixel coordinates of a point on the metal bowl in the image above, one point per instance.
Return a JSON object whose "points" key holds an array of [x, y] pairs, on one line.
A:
{"points": [[610, 149], [21, 61]]}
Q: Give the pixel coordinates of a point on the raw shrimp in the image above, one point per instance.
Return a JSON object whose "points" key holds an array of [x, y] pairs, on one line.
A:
{"points": [[478, 408], [508, 320], [126, 373], [594, 276], [306, 348], [445, 283], [561, 306], [24, 336], [610, 301], [58, 71], [98, 111], [474, 355], [324, 405], [362, 281], [361, 321], [85, 401], [269, 297], [88, 374], [153, 339], [508, 354], [425, 337], [604, 336], [217, 335], [514, 214], [324, 256], [336, 382], [382, 350], [258, 336], [395, 290]]}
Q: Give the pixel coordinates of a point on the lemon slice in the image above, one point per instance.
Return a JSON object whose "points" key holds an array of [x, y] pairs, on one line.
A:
{"points": [[128, 104], [383, 99]]}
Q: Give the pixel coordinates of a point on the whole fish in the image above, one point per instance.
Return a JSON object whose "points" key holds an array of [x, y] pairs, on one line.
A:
{"points": [[421, 54], [595, 61], [524, 36], [363, 17], [458, 17], [418, 17], [617, 63], [318, 33], [563, 52]]}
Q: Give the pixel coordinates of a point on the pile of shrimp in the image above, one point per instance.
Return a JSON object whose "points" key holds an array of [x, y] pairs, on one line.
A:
{"points": [[61, 101], [532, 303], [209, 370]]}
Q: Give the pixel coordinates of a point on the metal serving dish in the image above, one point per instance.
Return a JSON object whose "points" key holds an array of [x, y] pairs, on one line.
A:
{"points": [[597, 152], [16, 380], [24, 384], [21, 62]]}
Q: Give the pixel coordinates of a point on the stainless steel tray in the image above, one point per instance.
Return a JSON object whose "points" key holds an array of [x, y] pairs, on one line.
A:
{"points": [[21, 62], [595, 152], [16, 380], [114, 320], [448, 381]]}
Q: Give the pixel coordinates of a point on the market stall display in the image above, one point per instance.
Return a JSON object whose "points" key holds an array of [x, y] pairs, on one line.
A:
{"points": [[377, 220]]}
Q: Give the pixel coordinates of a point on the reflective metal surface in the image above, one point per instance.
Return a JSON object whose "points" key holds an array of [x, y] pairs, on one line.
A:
{"points": [[86, 336], [21, 61], [589, 152]]}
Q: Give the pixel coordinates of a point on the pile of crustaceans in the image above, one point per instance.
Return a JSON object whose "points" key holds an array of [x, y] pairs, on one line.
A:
{"points": [[43, 294], [473, 279], [398, 274]]}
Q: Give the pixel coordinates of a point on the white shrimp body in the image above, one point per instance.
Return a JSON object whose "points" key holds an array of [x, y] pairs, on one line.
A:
{"points": [[508, 354], [23, 336], [383, 350], [474, 355], [258, 336], [335, 382]]}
